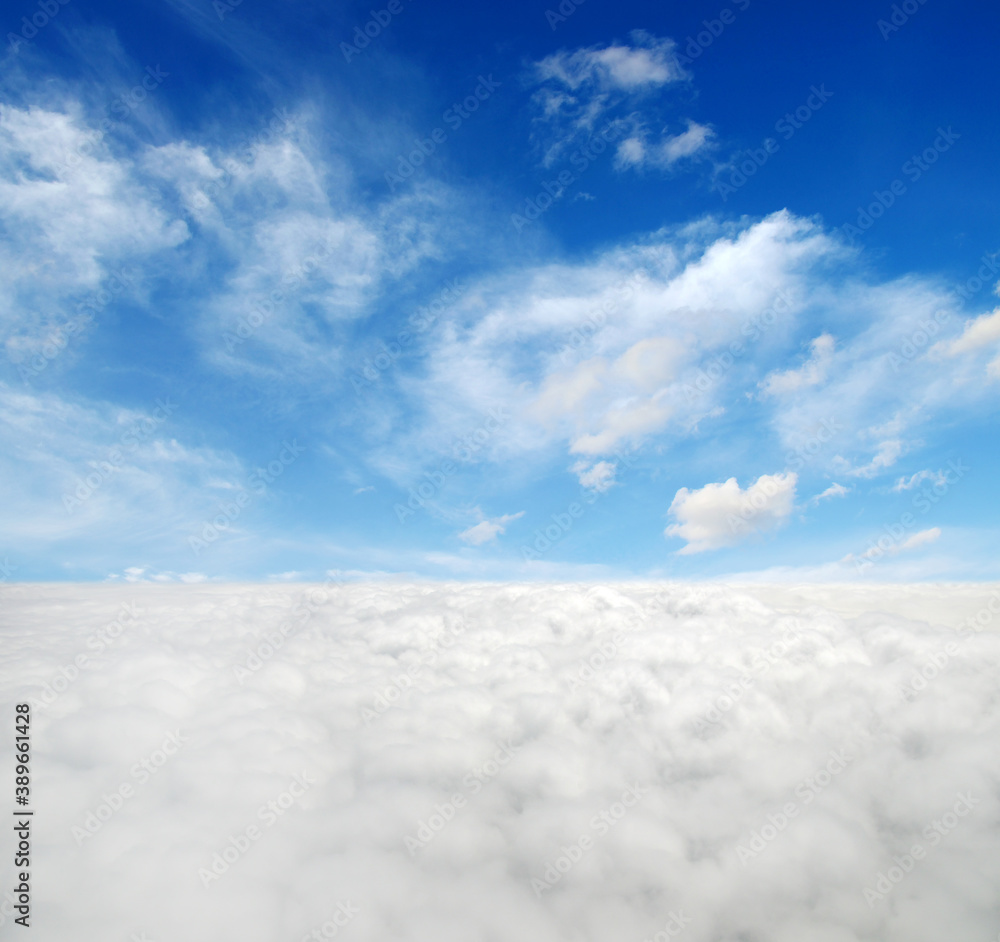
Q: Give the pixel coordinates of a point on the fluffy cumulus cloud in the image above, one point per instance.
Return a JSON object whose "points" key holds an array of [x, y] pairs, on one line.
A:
{"points": [[654, 340], [508, 762], [719, 515], [599, 476]]}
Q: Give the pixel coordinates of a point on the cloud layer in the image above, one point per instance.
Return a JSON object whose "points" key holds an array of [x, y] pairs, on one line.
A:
{"points": [[563, 761]]}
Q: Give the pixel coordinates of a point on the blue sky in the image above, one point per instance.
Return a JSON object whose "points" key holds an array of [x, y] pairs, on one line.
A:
{"points": [[505, 292]]}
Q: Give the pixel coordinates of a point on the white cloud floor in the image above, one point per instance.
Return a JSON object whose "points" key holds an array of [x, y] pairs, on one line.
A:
{"points": [[637, 788]]}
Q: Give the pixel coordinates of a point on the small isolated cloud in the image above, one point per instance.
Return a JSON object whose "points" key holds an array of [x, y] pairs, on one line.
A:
{"points": [[487, 530], [918, 539], [720, 515], [876, 551], [886, 456], [581, 88], [811, 373], [598, 477], [645, 64], [635, 151], [363, 490], [834, 490], [908, 483], [979, 333]]}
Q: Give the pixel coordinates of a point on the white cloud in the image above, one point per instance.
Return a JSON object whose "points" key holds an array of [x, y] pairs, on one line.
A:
{"points": [[983, 331], [580, 88], [107, 480], [815, 672], [487, 530], [720, 515], [144, 574], [885, 457], [647, 63], [917, 540], [811, 373], [908, 483], [834, 490], [635, 151], [274, 218], [598, 477], [979, 333], [629, 421], [586, 366]]}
